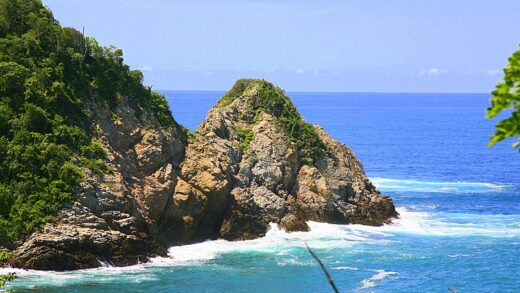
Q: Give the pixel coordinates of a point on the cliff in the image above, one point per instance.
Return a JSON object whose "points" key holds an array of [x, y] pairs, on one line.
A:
{"points": [[115, 216]]}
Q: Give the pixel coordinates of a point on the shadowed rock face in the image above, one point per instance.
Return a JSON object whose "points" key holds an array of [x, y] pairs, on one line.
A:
{"points": [[241, 170]]}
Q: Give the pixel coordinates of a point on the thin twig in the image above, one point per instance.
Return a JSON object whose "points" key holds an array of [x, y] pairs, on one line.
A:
{"points": [[323, 268]]}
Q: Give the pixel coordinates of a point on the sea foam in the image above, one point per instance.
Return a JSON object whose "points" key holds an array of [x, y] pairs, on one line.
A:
{"points": [[447, 224], [276, 241], [381, 274], [290, 247], [398, 185]]}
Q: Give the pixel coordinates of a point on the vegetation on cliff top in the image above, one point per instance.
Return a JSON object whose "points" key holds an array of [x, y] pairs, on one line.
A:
{"points": [[48, 76], [272, 99], [507, 96]]}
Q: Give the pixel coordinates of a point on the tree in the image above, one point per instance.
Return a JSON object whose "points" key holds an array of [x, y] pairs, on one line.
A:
{"points": [[507, 96], [49, 76]]}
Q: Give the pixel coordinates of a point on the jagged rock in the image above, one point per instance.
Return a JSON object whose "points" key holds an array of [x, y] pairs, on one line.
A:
{"points": [[243, 171], [293, 223], [68, 247]]}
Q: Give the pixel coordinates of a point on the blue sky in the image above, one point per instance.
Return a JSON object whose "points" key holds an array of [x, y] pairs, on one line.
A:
{"points": [[362, 45]]}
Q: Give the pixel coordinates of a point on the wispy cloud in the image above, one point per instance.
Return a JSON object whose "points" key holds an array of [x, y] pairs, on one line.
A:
{"points": [[489, 72], [431, 72], [493, 72], [299, 71], [146, 68]]}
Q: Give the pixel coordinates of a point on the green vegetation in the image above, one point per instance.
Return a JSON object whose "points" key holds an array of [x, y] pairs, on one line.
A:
{"points": [[4, 256], [192, 136], [245, 136], [507, 96], [6, 278], [273, 100], [48, 77], [236, 91]]}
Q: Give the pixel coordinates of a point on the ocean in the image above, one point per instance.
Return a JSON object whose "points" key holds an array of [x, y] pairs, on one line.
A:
{"points": [[459, 202]]}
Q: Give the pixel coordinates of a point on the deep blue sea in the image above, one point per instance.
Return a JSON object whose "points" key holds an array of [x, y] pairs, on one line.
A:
{"points": [[459, 203]]}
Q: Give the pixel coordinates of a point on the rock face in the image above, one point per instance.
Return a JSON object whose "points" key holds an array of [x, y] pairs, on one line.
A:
{"points": [[241, 170], [116, 216]]}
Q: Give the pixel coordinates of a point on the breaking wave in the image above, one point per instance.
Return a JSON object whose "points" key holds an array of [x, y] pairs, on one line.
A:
{"points": [[381, 274], [290, 247], [398, 185], [447, 224]]}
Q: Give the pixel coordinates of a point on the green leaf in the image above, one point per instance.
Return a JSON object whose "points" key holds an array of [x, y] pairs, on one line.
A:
{"points": [[507, 96]]}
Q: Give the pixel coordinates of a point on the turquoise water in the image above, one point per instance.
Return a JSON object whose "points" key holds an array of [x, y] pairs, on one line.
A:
{"points": [[459, 203]]}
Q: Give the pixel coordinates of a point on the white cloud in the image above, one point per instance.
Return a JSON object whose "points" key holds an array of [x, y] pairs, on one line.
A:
{"points": [[431, 72], [146, 68], [490, 72], [299, 71], [493, 72]]}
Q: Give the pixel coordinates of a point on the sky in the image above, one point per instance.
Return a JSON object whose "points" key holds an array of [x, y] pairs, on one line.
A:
{"points": [[307, 45]]}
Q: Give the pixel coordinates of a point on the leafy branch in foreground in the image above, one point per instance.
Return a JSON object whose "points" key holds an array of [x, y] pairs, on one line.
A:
{"points": [[6, 278], [323, 268], [507, 96]]}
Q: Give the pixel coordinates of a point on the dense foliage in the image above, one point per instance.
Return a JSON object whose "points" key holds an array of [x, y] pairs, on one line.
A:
{"points": [[48, 76], [272, 99], [6, 278], [507, 96], [4, 256], [236, 91]]}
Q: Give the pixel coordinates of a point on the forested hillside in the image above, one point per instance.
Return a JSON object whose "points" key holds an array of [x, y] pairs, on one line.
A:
{"points": [[48, 76]]}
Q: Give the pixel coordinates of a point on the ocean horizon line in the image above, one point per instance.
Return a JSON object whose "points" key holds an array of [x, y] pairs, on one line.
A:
{"points": [[338, 92]]}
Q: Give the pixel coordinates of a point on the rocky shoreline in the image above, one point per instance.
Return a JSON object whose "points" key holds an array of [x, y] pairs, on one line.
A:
{"points": [[239, 171]]}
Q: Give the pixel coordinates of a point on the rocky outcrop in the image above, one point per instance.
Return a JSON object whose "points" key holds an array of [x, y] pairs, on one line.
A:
{"points": [[253, 161], [243, 171], [116, 216]]}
